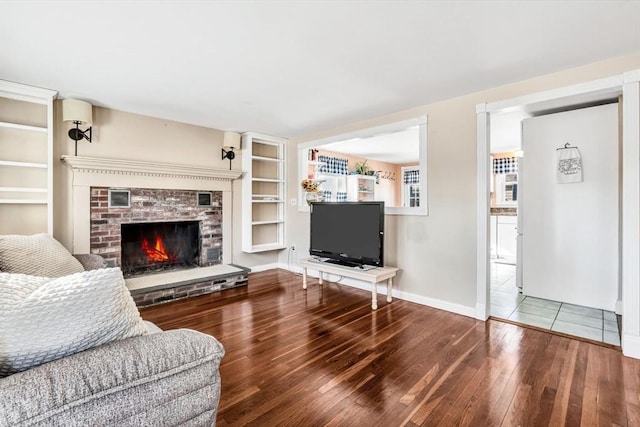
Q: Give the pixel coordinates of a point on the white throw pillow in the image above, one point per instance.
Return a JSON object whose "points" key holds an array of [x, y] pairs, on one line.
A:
{"points": [[44, 319], [36, 255]]}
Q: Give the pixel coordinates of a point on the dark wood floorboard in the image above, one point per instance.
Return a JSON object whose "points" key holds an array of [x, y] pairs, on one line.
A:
{"points": [[322, 357]]}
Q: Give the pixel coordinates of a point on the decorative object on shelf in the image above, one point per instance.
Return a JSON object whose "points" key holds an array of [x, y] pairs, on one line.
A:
{"points": [[230, 141], [312, 189], [314, 197], [79, 113], [362, 168]]}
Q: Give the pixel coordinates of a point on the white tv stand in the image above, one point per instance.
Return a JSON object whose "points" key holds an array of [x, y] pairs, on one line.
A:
{"points": [[373, 276]]}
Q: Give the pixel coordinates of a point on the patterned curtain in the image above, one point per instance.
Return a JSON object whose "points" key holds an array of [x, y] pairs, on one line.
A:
{"points": [[411, 177], [505, 165], [333, 165]]}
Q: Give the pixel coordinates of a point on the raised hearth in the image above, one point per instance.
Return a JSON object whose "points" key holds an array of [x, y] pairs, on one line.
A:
{"points": [[154, 289]]}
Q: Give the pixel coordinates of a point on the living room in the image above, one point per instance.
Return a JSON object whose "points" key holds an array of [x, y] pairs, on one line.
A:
{"points": [[140, 114]]}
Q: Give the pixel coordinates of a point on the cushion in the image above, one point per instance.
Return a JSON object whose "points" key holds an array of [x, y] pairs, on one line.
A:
{"points": [[43, 319], [36, 255]]}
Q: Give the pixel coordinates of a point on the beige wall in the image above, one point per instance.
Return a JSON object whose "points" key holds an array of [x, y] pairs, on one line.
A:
{"points": [[121, 135], [437, 253]]}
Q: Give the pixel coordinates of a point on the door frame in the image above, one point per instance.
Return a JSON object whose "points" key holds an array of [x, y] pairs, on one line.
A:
{"points": [[627, 85]]}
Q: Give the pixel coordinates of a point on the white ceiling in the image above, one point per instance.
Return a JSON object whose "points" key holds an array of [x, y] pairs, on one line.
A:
{"points": [[291, 68]]}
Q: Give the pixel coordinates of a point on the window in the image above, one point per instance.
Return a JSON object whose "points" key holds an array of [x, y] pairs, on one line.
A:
{"points": [[411, 186]]}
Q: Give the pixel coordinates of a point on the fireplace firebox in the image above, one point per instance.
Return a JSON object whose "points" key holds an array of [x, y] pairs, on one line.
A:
{"points": [[159, 246]]}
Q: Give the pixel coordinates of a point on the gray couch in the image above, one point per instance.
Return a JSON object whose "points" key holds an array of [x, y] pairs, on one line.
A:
{"points": [[168, 378]]}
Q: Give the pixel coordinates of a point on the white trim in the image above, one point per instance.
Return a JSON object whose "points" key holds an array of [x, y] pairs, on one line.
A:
{"points": [[631, 345], [619, 307], [381, 289], [27, 93], [631, 76], [567, 95], [265, 267], [482, 224], [365, 133], [627, 84], [134, 167], [630, 214]]}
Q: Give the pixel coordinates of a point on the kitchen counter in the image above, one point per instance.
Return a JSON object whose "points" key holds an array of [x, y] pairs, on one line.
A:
{"points": [[504, 211]]}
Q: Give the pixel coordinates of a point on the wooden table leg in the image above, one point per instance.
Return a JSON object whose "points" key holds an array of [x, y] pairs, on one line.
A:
{"points": [[374, 296], [304, 278], [389, 286]]}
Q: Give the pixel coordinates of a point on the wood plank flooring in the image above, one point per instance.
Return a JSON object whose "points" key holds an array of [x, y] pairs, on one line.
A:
{"points": [[322, 357]]}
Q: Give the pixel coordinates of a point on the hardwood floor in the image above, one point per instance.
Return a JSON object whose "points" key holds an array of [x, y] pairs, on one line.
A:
{"points": [[323, 357]]}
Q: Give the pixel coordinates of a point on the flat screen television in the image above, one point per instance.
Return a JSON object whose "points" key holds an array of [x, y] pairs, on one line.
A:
{"points": [[348, 233]]}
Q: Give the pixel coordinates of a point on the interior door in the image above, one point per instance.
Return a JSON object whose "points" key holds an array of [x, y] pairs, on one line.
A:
{"points": [[570, 231]]}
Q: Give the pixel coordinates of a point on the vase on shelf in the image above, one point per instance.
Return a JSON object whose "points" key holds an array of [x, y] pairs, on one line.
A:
{"points": [[314, 196]]}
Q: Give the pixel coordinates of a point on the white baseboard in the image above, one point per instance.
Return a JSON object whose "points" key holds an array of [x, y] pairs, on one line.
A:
{"points": [[264, 267], [631, 345], [481, 312], [382, 290]]}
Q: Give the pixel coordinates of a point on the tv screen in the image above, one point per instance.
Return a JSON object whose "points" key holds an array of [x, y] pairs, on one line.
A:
{"points": [[351, 233]]}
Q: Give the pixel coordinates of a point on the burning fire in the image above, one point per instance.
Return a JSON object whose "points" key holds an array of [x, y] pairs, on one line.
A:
{"points": [[156, 253]]}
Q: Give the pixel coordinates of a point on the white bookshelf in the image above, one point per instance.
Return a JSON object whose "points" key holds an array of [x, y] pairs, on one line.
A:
{"points": [[26, 159], [263, 193]]}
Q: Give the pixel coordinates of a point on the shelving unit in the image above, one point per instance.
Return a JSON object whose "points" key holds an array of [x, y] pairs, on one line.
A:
{"points": [[361, 188], [263, 193], [26, 159]]}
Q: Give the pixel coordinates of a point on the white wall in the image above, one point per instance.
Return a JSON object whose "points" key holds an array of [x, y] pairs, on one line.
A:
{"points": [[437, 253]]}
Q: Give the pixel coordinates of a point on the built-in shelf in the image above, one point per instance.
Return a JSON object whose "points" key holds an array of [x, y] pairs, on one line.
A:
{"points": [[266, 247], [23, 190], [266, 159], [263, 193], [26, 160], [23, 127], [267, 180], [361, 188], [266, 222], [23, 202], [23, 164]]}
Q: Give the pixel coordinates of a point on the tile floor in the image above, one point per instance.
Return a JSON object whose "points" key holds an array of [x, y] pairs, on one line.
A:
{"points": [[508, 303]]}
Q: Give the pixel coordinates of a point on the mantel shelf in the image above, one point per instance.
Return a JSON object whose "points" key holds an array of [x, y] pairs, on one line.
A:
{"points": [[119, 166]]}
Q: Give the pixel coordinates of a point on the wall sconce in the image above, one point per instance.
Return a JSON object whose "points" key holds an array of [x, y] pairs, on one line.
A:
{"points": [[78, 112], [230, 141]]}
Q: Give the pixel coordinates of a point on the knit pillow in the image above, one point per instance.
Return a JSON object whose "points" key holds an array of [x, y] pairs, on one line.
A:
{"points": [[44, 319], [37, 255]]}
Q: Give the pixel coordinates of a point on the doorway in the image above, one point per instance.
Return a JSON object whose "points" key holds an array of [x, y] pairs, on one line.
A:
{"points": [[561, 99]]}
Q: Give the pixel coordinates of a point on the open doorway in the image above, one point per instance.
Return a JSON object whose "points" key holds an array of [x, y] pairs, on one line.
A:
{"points": [[566, 278], [627, 85]]}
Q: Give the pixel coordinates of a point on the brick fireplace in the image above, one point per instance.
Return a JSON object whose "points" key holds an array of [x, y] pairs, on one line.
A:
{"points": [[162, 211], [159, 192]]}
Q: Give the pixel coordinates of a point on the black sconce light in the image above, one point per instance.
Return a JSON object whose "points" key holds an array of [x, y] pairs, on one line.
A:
{"points": [[230, 141], [79, 113]]}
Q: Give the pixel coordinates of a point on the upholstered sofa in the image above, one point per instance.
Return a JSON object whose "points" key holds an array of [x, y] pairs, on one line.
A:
{"points": [[156, 378]]}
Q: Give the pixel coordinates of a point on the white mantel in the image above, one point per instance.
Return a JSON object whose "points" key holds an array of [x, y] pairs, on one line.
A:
{"points": [[117, 173]]}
